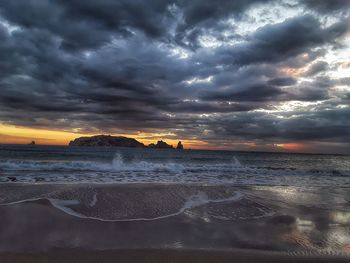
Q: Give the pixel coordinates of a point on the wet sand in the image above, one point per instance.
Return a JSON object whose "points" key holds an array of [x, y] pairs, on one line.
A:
{"points": [[173, 223], [164, 256]]}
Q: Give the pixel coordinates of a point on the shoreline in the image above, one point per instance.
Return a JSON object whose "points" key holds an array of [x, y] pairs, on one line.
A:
{"points": [[40, 221], [160, 183], [187, 149], [165, 256]]}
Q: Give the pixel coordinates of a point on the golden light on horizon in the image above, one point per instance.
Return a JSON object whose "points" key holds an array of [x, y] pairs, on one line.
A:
{"points": [[21, 135], [10, 134], [290, 146]]}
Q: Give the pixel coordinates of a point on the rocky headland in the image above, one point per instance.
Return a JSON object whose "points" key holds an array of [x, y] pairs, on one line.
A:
{"points": [[107, 141]]}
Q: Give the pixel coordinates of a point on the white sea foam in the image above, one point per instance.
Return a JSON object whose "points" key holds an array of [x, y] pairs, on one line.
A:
{"points": [[22, 201], [93, 201], [202, 198], [236, 163], [116, 165], [62, 205], [192, 201], [118, 170]]}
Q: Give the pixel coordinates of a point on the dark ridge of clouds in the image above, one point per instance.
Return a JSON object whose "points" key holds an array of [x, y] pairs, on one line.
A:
{"points": [[267, 92], [322, 125], [191, 107], [286, 81], [304, 59], [255, 92], [274, 43], [201, 15], [90, 24], [204, 11], [126, 66], [148, 16], [278, 42]]}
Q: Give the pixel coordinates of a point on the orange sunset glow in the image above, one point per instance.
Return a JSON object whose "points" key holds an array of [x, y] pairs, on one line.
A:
{"points": [[291, 146], [277, 80], [22, 135]]}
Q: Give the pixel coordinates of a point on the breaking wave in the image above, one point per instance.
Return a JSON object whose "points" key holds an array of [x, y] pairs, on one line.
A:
{"points": [[193, 201], [116, 165], [194, 171]]}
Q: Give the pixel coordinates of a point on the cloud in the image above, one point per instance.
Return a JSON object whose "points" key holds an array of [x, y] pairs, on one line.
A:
{"points": [[316, 68], [195, 69], [278, 42], [90, 24], [327, 6], [286, 81]]}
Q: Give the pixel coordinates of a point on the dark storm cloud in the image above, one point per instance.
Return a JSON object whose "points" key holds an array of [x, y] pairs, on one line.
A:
{"points": [[200, 16], [88, 24], [116, 66], [274, 43], [287, 81], [273, 92], [316, 68], [199, 11], [257, 92], [321, 125], [210, 107]]}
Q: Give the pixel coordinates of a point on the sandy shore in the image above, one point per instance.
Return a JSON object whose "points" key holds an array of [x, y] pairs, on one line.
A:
{"points": [[172, 223], [164, 256]]}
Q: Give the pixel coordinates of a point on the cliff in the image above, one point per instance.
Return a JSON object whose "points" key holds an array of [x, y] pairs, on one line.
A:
{"points": [[107, 141]]}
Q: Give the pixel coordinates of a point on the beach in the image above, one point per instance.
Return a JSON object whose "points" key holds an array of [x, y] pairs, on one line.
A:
{"points": [[172, 223], [78, 204], [165, 256]]}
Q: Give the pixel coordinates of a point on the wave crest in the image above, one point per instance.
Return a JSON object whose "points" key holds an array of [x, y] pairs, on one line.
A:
{"points": [[117, 164]]}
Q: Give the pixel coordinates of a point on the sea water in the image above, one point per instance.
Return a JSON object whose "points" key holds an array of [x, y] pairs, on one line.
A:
{"points": [[55, 164], [112, 198]]}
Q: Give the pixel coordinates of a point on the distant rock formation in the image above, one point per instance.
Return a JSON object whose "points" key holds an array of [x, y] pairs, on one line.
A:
{"points": [[107, 141], [31, 143], [161, 145], [179, 146], [118, 141]]}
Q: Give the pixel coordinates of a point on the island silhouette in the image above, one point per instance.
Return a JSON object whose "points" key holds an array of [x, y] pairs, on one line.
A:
{"points": [[120, 141]]}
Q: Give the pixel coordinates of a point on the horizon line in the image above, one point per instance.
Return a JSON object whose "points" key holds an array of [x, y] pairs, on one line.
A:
{"points": [[191, 149]]}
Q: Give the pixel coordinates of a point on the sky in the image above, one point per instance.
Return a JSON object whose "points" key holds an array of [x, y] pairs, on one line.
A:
{"points": [[236, 75]]}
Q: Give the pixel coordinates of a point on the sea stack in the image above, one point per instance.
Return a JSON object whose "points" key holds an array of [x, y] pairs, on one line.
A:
{"points": [[161, 145], [179, 146]]}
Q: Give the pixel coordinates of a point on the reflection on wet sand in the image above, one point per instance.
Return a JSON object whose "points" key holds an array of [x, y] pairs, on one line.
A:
{"points": [[295, 222]]}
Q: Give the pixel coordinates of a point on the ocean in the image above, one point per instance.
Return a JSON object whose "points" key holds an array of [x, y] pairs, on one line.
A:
{"points": [[59, 164], [279, 206]]}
